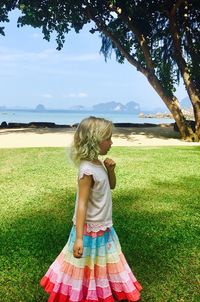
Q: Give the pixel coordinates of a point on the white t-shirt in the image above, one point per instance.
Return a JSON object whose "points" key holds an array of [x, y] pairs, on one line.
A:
{"points": [[99, 210]]}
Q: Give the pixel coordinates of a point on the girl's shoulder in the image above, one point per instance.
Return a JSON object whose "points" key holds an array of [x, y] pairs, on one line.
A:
{"points": [[85, 163], [90, 168]]}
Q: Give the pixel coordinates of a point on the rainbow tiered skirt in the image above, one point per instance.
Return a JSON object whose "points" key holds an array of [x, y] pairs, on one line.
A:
{"points": [[101, 274]]}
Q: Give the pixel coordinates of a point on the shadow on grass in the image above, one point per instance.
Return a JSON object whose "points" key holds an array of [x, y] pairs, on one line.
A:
{"points": [[160, 239], [31, 243], [158, 247], [164, 132]]}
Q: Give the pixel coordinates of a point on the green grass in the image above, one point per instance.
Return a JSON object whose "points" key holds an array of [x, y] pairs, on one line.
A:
{"points": [[155, 213]]}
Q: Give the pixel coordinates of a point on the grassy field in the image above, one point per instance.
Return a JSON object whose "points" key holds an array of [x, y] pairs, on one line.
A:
{"points": [[155, 213]]}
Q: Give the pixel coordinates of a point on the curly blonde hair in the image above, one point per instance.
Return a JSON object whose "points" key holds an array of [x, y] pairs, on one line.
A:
{"points": [[89, 133]]}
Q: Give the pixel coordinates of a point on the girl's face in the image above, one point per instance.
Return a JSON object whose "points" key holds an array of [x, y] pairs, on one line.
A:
{"points": [[105, 146]]}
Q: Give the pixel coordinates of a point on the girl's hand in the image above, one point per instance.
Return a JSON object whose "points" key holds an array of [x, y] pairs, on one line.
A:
{"points": [[78, 248], [109, 164]]}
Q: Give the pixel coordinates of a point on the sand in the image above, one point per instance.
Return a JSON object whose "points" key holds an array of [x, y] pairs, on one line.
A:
{"points": [[162, 135]]}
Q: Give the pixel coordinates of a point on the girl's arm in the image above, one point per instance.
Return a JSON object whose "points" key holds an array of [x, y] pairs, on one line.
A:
{"points": [[112, 179], [110, 166], [85, 184]]}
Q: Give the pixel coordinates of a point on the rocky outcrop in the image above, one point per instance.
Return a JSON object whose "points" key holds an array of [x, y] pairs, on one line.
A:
{"points": [[5, 125], [188, 113], [155, 115], [128, 125], [132, 125], [32, 125]]}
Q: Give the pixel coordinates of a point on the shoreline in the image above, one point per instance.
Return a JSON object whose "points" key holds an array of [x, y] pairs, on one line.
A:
{"points": [[15, 125], [140, 135]]}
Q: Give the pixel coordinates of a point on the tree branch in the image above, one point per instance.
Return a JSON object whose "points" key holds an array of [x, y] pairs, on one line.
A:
{"points": [[140, 37], [103, 28], [176, 5], [189, 85], [194, 54]]}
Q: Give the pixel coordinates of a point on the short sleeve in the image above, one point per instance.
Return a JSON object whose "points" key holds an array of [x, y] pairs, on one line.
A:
{"points": [[86, 170]]}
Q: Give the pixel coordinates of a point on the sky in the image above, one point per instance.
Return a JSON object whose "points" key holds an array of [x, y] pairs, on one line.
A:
{"points": [[33, 72]]}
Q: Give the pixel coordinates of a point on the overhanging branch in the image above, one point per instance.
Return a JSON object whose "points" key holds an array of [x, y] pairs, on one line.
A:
{"points": [[103, 28], [140, 37]]}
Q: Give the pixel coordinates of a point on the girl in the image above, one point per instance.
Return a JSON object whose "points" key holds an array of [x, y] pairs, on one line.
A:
{"points": [[91, 267]]}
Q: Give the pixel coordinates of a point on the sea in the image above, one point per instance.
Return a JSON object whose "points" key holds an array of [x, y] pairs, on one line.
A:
{"points": [[68, 117]]}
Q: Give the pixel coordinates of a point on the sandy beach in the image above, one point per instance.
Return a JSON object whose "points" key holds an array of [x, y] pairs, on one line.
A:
{"points": [[162, 135]]}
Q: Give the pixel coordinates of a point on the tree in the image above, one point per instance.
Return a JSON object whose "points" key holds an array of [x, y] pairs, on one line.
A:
{"points": [[152, 35], [184, 21]]}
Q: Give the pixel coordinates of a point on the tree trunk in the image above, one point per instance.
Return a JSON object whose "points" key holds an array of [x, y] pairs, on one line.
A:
{"points": [[197, 117], [189, 85], [173, 106]]}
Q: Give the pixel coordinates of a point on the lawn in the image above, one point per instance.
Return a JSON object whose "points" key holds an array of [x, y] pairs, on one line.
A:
{"points": [[155, 213]]}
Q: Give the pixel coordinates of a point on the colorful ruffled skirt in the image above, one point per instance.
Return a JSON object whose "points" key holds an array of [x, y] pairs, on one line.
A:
{"points": [[101, 274]]}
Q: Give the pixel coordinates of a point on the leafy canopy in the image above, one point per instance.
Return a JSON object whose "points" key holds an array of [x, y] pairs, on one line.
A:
{"points": [[137, 29]]}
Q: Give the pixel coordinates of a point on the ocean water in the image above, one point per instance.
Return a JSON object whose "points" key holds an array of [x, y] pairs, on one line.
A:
{"points": [[61, 117]]}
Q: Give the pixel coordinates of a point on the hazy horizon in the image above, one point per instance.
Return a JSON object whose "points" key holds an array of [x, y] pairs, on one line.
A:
{"points": [[85, 108]]}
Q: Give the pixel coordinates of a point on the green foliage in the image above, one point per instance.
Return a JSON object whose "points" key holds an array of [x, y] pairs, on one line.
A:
{"points": [[4, 10], [188, 21], [140, 27], [155, 213]]}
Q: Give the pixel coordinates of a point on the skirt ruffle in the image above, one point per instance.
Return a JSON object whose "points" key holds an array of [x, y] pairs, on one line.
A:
{"points": [[101, 274]]}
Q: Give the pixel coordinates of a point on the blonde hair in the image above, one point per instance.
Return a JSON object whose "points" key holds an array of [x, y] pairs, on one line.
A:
{"points": [[89, 133]]}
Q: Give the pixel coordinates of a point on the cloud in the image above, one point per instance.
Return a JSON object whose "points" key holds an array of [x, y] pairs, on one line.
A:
{"points": [[82, 95], [18, 56], [82, 57], [49, 61], [47, 96], [37, 35], [76, 95]]}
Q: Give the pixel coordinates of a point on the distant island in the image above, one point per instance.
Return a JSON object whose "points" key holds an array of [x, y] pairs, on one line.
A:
{"points": [[40, 107], [130, 107]]}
